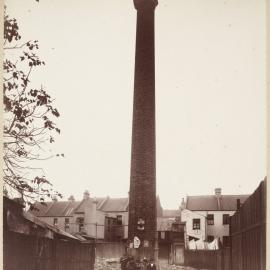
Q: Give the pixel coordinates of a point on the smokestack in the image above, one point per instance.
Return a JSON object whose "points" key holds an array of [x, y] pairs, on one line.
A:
{"points": [[142, 197], [217, 191]]}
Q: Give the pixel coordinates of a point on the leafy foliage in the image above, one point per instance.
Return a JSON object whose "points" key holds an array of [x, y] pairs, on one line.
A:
{"points": [[28, 118]]}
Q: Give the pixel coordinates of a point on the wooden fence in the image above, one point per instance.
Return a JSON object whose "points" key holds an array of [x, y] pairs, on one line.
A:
{"points": [[27, 252], [110, 249], [210, 259], [202, 258], [248, 233]]}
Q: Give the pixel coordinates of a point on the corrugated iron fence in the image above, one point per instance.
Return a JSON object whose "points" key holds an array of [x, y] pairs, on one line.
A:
{"points": [[27, 252], [248, 233]]}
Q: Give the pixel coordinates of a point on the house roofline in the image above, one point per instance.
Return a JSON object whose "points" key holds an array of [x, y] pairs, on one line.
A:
{"points": [[211, 210]]}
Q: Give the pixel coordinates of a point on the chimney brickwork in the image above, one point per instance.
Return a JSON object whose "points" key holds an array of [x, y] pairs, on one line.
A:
{"points": [[142, 195]]}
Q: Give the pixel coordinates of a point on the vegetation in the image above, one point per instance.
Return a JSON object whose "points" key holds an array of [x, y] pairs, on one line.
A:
{"points": [[29, 117]]}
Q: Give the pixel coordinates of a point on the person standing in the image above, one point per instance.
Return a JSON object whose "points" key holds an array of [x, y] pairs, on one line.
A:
{"points": [[151, 265]]}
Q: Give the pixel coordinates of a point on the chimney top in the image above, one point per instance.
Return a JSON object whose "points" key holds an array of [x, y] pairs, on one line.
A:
{"points": [[71, 198], [217, 191], [86, 195], [183, 204], [238, 204], [54, 198]]}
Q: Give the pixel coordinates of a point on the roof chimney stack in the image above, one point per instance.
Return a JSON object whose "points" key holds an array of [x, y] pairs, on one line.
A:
{"points": [[183, 204], [217, 191], [86, 195], [71, 198], [238, 204], [54, 198]]}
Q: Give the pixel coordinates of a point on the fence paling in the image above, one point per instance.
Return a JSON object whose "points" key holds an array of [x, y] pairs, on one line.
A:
{"points": [[248, 232], [26, 252]]}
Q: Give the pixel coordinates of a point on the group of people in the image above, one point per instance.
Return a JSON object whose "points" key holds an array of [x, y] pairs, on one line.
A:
{"points": [[129, 263]]}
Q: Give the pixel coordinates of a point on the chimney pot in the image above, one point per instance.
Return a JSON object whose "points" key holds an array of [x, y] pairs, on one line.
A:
{"points": [[86, 195], [183, 204], [217, 191], [71, 198], [54, 198]]}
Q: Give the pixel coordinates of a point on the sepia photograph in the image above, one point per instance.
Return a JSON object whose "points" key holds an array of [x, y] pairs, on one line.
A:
{"points": [[134, 134]]}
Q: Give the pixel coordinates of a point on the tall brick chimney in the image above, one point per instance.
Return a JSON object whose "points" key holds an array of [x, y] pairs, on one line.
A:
{"points": [[142, 195]]}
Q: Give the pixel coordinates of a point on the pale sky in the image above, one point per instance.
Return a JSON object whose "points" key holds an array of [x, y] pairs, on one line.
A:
{"points": [[210, 93]]}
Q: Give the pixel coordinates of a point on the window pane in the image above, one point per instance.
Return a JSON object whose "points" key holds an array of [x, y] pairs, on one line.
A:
{"points": [[210, 219], [196, 224], [55, 221], [226, 219], [119, 220]]}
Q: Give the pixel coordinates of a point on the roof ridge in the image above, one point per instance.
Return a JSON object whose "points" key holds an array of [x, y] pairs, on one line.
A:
{"points": [[213, 195], [210, 195], [236, 195]]}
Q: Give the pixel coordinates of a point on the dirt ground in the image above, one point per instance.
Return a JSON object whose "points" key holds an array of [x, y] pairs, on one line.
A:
{"points": [[113, 264]]}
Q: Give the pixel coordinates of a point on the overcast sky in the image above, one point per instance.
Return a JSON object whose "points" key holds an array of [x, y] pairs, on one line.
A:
{"points": [[210, 93]]}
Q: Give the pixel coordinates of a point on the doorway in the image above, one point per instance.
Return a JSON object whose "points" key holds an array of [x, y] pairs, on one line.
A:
{"points": [[179, 254]]}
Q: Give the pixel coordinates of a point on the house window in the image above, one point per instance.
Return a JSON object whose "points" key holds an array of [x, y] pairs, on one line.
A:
{"points": [[226, 219], [210, 219], [80, 222], [196, 222], [119, 220], [55, 221], [226, 241], [210, 238], [66, 223]]}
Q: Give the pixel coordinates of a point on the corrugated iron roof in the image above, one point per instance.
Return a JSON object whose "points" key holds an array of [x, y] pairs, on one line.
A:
{"points": [[214, 203]]}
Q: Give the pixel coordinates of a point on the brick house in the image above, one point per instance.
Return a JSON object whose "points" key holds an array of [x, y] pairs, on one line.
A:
{"points": [[104, 219], [207, 216], [76, 217]]}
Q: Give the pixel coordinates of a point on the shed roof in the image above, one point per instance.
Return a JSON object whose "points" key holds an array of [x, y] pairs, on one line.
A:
{"points": [[23, 222]]}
